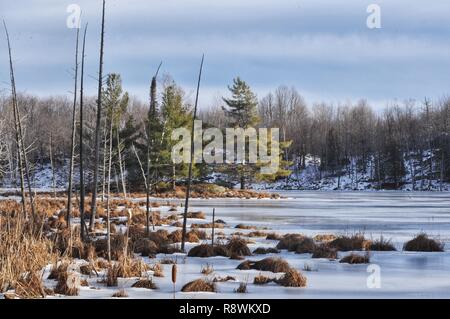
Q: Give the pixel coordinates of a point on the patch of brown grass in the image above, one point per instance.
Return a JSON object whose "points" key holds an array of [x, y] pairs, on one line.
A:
{"points": [[355, 259], [198, 215], [238, 246], [242, 289], [267, 264], [348, 243], [68, 283], [257, 233], [422, 243], [242, 226], [206, 250], [298, 243], [199, 285], [120, 294], [207, 269], [145, 283], [324, 237], [274, 236], [30, 286], [324, 251], [262, 280], [158, 270], [207, 225], [263, 251], [381, 244], [292, 278]]}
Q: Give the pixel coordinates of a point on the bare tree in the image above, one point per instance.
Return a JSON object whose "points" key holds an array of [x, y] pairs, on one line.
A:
{"points": [[188, 187], [72, 148], [19, 133], [82, 190], [98, 126]]}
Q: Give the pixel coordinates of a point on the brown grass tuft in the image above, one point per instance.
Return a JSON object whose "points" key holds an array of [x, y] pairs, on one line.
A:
{"points": [[324, 251], [381, 244], [266, 264], [120, 294], [263, 251], [292, 278], [199, 285], [261, 280], [422, 243], [238, 246], [242, 289], [145, 283], [355, 259], [206, 250], [348, 243]]}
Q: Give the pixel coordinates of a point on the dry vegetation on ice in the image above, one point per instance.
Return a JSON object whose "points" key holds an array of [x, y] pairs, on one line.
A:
{"points": [[44, 258]]}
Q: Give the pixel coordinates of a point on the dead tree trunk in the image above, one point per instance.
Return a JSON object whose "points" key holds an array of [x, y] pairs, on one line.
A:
{"points": [[19, 132], [97, 127], [72, 147], [108, 228], [52, 166], [82, 190], [188, 187], [121, 169]]}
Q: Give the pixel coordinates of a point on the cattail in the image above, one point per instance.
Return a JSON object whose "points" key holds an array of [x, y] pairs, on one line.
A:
{"points": [[174, 273], [174, 278]]}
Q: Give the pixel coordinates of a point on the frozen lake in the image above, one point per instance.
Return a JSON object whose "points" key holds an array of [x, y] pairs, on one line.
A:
{"points": [[398, 216]]}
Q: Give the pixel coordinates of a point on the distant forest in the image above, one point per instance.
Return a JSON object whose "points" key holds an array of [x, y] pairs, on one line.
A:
{"points": [[346, 139]]}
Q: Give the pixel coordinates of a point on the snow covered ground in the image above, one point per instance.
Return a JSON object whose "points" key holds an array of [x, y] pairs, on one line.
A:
{"points": [[395, 215]]}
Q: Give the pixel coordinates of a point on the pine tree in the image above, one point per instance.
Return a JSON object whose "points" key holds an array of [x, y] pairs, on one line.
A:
{"points": [[175, 114], [241, 112]]}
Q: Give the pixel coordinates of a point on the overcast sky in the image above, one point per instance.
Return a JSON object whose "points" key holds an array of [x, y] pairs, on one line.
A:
{"points": [[323, 48]]}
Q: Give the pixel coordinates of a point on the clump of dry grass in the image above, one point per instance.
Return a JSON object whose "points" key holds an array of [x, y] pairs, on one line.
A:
{"points": [[120, 294], [206, 250], [422, 243], [242, 226], [224, 279], [30, 286], [198, 215], [131, 267], [145, 283], [68, 283], [324, 251], [267, 264], [242, 289], [176, 236], [238, 247], [262, 280], [290, 241], [381, 244], [257, 233], [263, 251], [292, 278], [207, 269], [324, 237], [207, 225], [21, 250], [356, 259], [112, 275], [273, 236], [157, 269], [348, 243], [199, 285], [145, 247]]}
